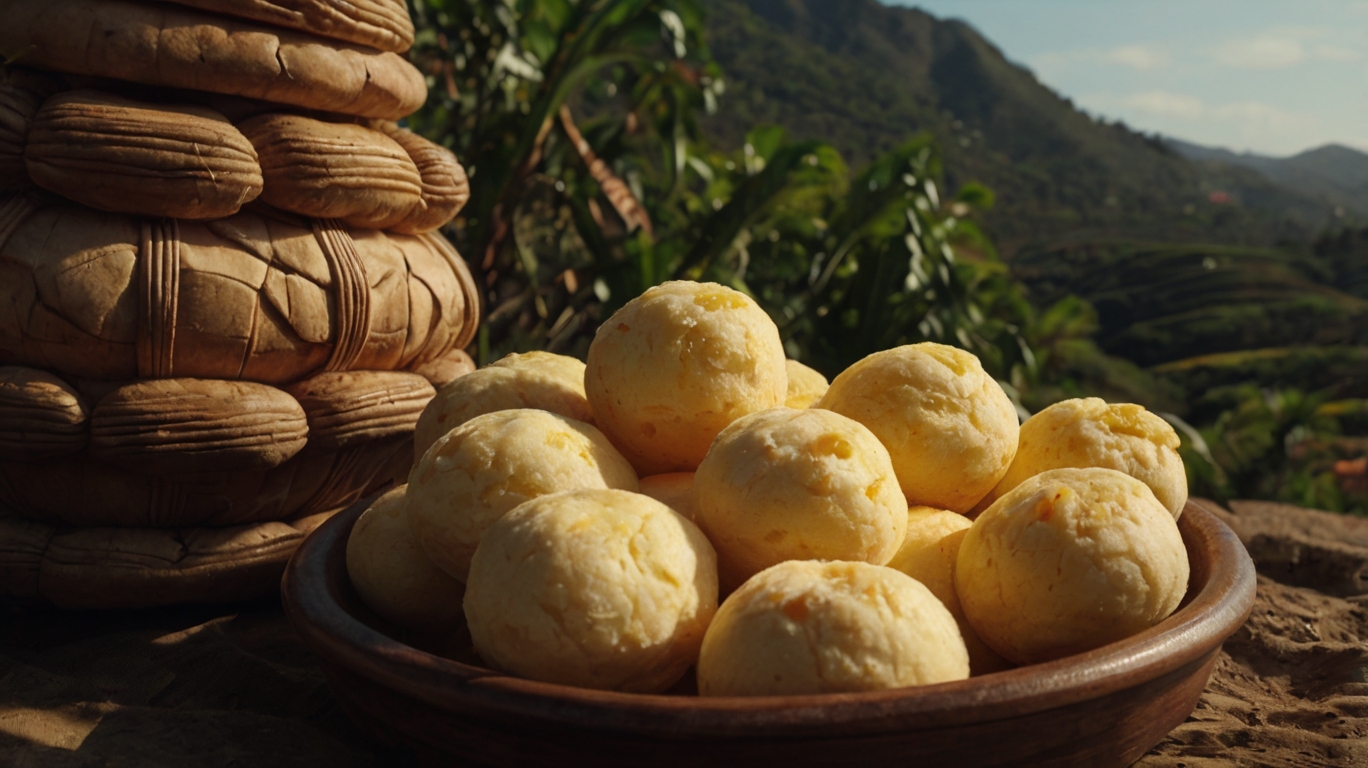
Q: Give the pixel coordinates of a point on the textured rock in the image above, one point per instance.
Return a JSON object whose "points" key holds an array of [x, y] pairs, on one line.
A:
{"points": [[334, 170], [1305, 548], [1288, 690], [163, 45], [382, 24], [445, 186], [41, 416], [352, 408], [181, 426], [117, 154]]}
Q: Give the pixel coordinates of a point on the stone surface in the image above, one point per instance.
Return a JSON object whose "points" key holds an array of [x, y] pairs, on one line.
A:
{"points": [[1290, 689], [1306, 548], [1291, 686]]}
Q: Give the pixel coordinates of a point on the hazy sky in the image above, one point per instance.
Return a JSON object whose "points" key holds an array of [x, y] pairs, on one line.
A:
{"points": [[1269, 76]]}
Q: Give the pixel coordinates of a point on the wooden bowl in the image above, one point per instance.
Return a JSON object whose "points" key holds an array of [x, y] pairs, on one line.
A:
{"points": [[1104, 707]]}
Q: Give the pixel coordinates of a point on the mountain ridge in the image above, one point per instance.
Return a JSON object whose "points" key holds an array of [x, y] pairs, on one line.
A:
{"points": [[1331, 172], [866, 76]]}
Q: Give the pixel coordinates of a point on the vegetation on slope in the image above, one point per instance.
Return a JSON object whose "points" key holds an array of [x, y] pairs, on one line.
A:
{"points": [[583, 126], [862, 76]]}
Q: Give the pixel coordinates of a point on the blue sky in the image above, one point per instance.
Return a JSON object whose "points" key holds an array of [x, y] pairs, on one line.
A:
{"points": [[1269, 76]]}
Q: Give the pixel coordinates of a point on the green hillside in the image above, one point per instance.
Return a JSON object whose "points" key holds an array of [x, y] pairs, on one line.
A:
{"points": [[1335, 174], [865, 76], [1207, 319]]}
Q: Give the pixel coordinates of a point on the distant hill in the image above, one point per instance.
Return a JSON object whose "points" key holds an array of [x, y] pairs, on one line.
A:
{"points": [[866, 77], [1333, 173]]}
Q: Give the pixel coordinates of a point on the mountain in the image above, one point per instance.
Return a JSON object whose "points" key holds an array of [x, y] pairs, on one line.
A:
{"points": [[865, 77], [1333, 173]]}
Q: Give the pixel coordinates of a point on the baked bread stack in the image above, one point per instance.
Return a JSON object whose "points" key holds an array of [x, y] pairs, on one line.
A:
{"points": [[223, 300]]}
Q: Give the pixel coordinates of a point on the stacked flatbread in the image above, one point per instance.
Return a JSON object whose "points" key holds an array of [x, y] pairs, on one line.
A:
{"points": [[223, 299]]}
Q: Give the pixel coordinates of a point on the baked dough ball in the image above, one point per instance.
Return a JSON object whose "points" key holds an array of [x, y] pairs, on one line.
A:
{"points": [[598, 589], [675, 366], [1089, 432], [805, 386], [394, 577], [541, 380], [928, 555], [1068, 561], [491, 464], [951, 430], [809, 627], [785, 484], [673, 489]]}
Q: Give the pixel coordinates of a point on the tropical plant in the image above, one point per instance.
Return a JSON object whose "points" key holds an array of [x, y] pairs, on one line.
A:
{"points": [[554, 210], [571, 217], [1285, 445]]}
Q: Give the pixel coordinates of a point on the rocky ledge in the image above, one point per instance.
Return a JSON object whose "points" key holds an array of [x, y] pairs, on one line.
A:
{"points": [[1291, 687]]}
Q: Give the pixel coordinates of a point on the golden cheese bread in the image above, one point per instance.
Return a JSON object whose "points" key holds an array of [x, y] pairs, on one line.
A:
{"points": [[1068, 561], [804, 627], [950, 428], [596, 588], [671, 369]]}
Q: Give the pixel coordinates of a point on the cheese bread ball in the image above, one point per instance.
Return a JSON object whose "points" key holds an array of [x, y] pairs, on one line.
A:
{"points": [[394, 577], [539, 380], [805, 386], [597, 589], [832, 627], [1089, 432], [951, 430], [675, 366], [1068, 561], [785, 484], [493, 463], [928, 555], [673, 489]]}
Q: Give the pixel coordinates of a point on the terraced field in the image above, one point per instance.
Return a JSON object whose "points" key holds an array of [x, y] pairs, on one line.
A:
{"points": [[1208, 316]]}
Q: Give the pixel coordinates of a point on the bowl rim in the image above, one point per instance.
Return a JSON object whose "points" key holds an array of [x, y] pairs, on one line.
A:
{"points": [[1190, 635]]}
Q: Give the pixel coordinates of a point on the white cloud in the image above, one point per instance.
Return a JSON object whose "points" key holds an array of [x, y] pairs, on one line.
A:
{"points": [[1240, 125], [1264, 115], [1286, 47], [1139, 57], [1261, 53], [1335, 53], [1165, 104]]}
